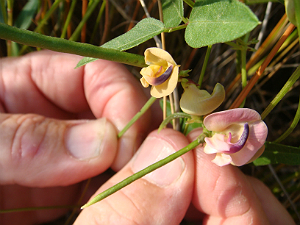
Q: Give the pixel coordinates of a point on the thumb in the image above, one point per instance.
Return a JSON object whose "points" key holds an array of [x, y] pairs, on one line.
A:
{"points": [[38, 151], [161, 197]]}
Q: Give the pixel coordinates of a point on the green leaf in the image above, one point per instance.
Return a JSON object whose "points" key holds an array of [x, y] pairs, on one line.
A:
{"points": [[25, 17], [217, 21], [141, 32], [85, 61], [172, 12], [277, 153]]}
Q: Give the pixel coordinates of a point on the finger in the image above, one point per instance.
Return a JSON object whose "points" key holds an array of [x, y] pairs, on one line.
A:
{"points": [[161, 197], [40, 152], [113, 93], [223, 193], [274, 210], [46, 83]]}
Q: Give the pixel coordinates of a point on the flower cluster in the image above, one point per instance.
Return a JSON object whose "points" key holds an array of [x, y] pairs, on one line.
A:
{"points": [[238, 135]]}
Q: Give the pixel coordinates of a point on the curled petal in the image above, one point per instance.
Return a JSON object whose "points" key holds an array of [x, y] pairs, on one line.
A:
{"points": [[200, 102], [258, 132], [241, 142], [168, 86], [157, 80], [158, 56], [220, 121]]}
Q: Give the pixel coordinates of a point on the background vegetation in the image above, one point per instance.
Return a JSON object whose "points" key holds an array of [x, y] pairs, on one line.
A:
{"points": [[97, 22]]}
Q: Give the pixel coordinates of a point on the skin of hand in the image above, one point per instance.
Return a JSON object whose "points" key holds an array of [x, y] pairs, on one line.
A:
{"points": [[48, 111]]}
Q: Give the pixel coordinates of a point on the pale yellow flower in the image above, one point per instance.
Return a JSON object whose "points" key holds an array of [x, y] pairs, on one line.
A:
{"points": [[199, 102], [162, 72]]}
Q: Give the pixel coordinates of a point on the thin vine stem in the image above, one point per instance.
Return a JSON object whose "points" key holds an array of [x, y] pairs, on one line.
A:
{"points": [[172, 29], [172, 117], [262, 68], [292, 126], [42, 22], [69, 16], [190, 3], [137, 116], [87, 15], [98, 20], [61, 45], [2, 211], [10, 4], [208, 51], [290, 82], [79, 202], [143, 172], [243, 66]]}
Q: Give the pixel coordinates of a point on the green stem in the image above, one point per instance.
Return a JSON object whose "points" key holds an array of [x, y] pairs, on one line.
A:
{"points": [[172, 29], [292, 126], [70, 13], [87, 15], [10, 4], [137, 116], [61, 45], [172, 117], [143, 172], [243, 61], [47, 15], [3, 11], [295, 76], [43, 21], [98, 20], [38, 208], [190, 3], [243, 65], [208, 51]]}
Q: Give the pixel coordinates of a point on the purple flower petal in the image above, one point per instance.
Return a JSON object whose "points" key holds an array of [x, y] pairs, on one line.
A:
{"points": [[241, 142], [162, 78]]}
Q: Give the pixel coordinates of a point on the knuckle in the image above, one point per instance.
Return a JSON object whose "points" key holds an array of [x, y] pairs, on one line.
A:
{"points": [[23, 135]]}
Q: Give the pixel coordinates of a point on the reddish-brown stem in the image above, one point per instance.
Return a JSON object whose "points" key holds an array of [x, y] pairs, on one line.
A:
{"points": [[262, 68]]}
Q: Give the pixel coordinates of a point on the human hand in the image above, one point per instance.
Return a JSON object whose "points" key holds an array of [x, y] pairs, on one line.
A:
{"points": [[39, 161], [219, 195], [46, 140]]}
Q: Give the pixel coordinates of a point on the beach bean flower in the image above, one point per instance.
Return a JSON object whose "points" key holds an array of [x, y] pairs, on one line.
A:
{"points": [[238, 136], [162, 72], [199, 102]]}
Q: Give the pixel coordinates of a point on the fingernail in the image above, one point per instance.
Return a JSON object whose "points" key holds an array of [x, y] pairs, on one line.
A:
{"points": [[152, 150], [85, 140]]}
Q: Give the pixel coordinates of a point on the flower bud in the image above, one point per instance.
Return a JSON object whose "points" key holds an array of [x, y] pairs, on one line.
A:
{"points": [[199, 102]]}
